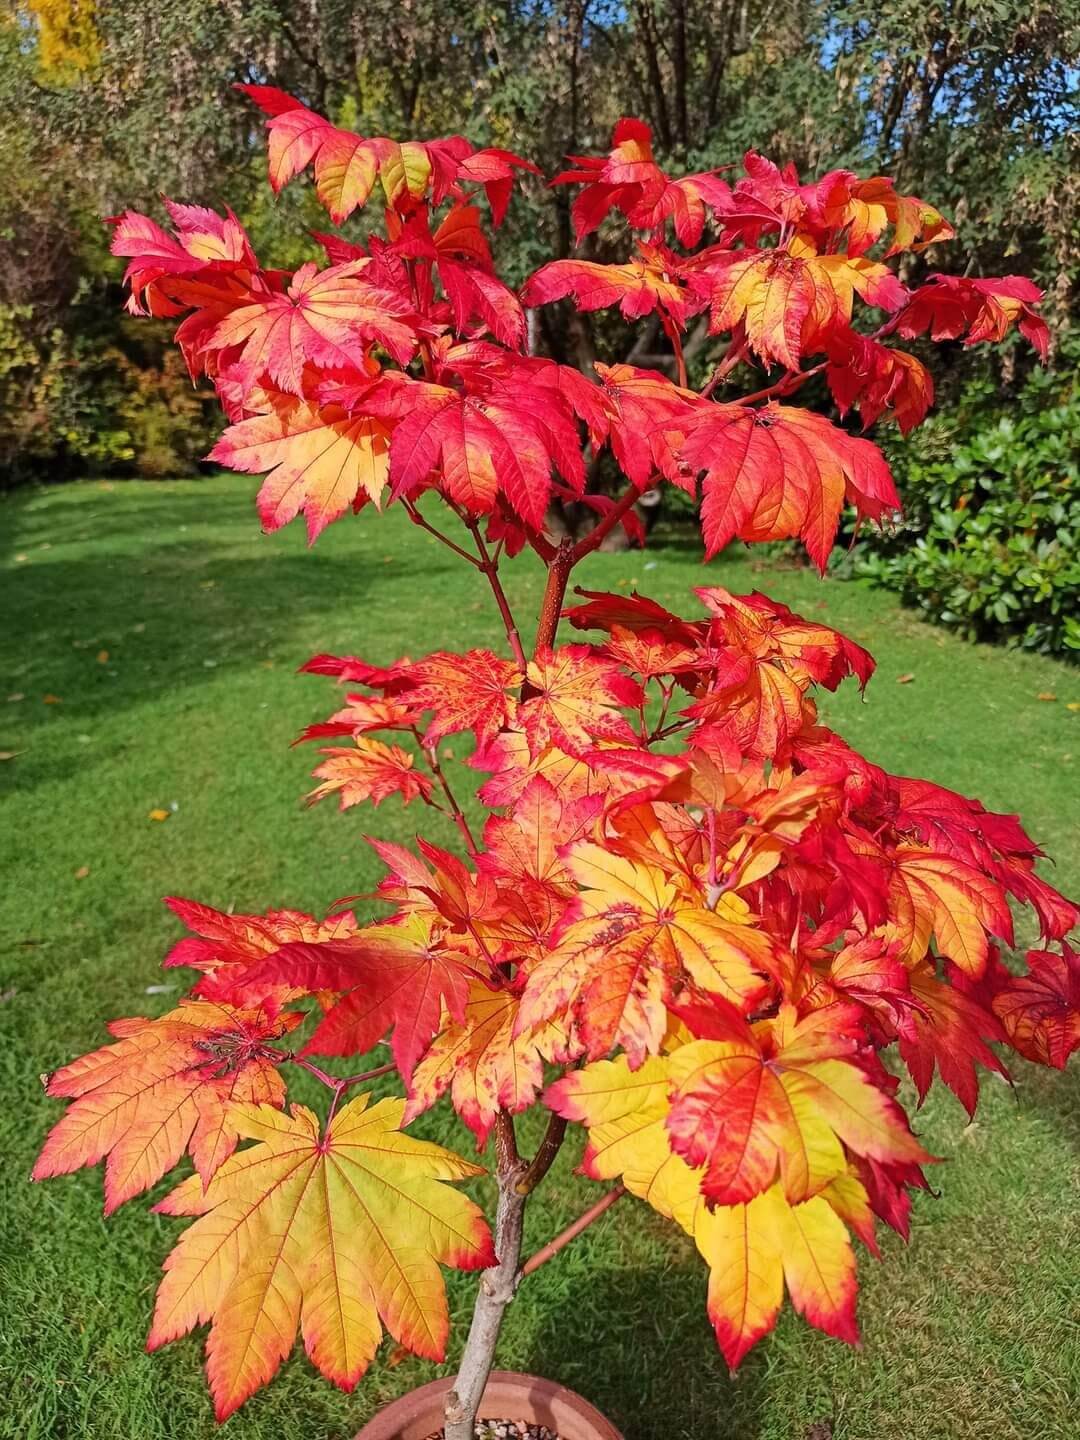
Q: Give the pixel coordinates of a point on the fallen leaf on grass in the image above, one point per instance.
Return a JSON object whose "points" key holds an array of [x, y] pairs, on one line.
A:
{"points": [[1074, 706], [1046, 695], [905, 679], [51, 700], [14, 699], [159, 814], [10, 754], [102, 657], [82, 872]]}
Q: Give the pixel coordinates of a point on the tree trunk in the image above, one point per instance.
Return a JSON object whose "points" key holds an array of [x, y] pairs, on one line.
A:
{"points": [[497, 1288]]}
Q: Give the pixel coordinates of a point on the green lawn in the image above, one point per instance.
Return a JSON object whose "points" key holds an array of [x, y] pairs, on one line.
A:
{"points": [[971, 1332]]}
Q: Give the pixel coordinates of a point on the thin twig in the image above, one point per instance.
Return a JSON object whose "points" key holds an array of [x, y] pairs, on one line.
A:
{"points": [[332, 1082], [785, 386], [545, 1253], [594, 538], [490, 567], [452, 808], [671, 330], [329, 1080], [366, 1075], [418, 519], [667, 691], [734, 353]]}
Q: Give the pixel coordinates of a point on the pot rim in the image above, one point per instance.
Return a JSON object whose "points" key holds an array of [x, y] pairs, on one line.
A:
{"points": [[418, 1414]]}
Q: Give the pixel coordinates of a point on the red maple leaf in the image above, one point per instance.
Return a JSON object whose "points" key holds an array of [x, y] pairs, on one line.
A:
{"points": [[1040, 1011], [951, 306], [780, 472], [575, 700], [471, 691], [651, 281], [369, 770], [325, 316], [396, 977]]}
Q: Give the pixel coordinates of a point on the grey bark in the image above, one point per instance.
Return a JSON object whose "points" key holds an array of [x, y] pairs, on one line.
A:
{"points": [[497, 1288]]}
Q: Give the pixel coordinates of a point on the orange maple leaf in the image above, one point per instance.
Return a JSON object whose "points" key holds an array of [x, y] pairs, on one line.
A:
{"points": [[575, 699], [322, 461], [615, 969], [165, 1087], [369, 771], [745, 1110], [483, 1064]]}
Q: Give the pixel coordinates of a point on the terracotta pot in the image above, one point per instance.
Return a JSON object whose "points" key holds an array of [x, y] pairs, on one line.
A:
{"points": [[509, 1396]]}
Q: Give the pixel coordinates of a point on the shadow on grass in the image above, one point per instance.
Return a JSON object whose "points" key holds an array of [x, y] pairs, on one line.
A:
{"points": [[635, 1341], [1052, 1094], [145, 609]]}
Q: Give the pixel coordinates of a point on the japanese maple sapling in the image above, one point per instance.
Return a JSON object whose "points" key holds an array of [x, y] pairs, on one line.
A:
{"points": [[688, 896]]}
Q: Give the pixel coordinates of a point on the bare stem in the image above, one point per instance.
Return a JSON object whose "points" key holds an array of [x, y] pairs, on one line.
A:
{"points": [[784, 386], [366, 1075], [453, 809], [735, 351], [320, 1074], [560, 1241], [490, 566], [672, 332], [595, 537], [658, 729], [418, 519], [339, 1086], [554, 594]]}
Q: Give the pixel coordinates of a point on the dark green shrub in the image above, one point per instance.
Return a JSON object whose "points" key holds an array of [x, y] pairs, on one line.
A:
{"points": [[990, 540]]}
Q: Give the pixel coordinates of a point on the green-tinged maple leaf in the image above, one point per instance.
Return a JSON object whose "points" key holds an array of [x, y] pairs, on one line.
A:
{"points": [[336, 1233]]}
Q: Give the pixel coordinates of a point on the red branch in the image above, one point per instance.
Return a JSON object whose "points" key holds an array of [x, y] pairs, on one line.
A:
{"points": [[596, 535], [545, 1253], [785, 386]]}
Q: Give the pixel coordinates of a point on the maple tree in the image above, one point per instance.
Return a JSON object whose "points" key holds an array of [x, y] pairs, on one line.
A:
{"points": [[694, 919]]}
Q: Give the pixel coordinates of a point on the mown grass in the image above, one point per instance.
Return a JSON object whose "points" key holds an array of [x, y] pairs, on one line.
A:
{"points": [[971, 1332]]}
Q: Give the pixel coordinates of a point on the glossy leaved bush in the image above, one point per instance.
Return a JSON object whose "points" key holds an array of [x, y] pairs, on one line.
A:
{"points": [[694, 918]]}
